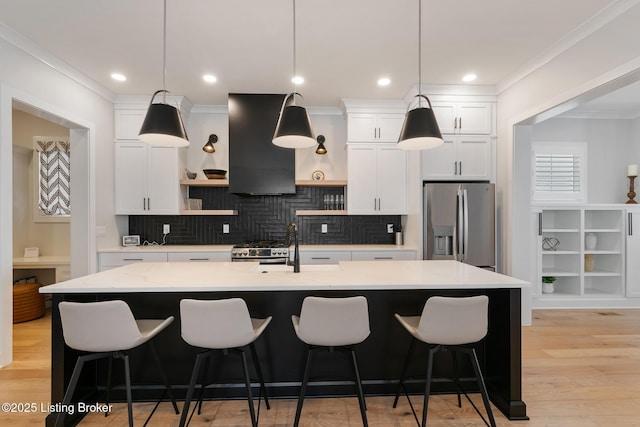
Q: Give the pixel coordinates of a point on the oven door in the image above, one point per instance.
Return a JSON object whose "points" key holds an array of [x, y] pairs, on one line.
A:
{"points": [[269, 260]]}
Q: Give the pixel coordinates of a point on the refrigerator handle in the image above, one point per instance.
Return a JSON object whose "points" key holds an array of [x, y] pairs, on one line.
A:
{"points": [[459, 225], [465, 205]]}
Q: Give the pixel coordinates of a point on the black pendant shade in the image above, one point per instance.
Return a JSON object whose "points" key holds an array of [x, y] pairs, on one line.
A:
{"points": [[294, 127], [420, 130], [163, 126]]}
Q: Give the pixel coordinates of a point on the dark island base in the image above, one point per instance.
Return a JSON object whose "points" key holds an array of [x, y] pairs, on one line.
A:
{"points": [[281, 354]]}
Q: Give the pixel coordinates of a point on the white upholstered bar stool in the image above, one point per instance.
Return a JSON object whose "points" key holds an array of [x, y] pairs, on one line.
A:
{"points": [[451, 323], [108, 329], [221, 325], [332, 323]]}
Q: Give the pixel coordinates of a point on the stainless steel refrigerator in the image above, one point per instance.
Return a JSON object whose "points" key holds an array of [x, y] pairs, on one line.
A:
{"points": [[459, 222]]}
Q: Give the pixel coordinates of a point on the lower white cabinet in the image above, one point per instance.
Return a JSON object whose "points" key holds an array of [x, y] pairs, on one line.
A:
{"points": [[221, 256], [109, 260], [324, 257], [377, 179], [633, 252], [383, 255]]}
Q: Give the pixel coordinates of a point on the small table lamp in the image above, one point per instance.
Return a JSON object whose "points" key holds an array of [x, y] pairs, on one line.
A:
{"points": [[632, 173]]}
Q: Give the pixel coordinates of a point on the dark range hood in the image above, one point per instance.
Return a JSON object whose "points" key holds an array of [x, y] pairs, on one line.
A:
{"points": [[256, 166]]}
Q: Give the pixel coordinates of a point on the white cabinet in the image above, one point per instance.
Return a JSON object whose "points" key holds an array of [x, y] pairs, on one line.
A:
{"points": [[464, 117], [109, 260], [633, 253], [404, 254], [461, 157], [128, 123], [583, 248], [146, 179], [377, 179], [221, 256], [374, 127], [324, 257]]}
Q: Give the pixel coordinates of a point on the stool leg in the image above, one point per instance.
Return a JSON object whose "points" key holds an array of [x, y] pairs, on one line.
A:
{"points": [[73, 383], [303, 388], [427, 385], [165, 380], [192, 385], [203, 379], [363, 406], [256, 362], [404, 370], [127, 381], [454, 355], [483, 388], [245, 368], [109, 372]]}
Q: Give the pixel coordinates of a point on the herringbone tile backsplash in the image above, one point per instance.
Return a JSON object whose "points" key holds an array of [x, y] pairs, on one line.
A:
{"points": [[264, 218]]}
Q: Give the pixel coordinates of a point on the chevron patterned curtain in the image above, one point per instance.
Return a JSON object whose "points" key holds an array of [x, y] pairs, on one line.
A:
{"points": [[54, 156]]}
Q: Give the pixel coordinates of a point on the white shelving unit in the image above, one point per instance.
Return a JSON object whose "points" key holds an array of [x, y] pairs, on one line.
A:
{"points": [[583, 276]]}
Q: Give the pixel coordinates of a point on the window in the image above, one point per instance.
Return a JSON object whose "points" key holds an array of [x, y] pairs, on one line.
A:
{"points": [[559, 172], [53, 178]]}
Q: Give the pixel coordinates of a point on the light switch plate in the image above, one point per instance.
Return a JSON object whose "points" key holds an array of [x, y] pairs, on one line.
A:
{"points": [[225, 228], [324, 228], [166, 229], [390, 228]]}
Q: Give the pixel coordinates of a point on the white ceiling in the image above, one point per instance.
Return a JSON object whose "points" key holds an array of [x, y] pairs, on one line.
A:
{"points": [[343, 46]]}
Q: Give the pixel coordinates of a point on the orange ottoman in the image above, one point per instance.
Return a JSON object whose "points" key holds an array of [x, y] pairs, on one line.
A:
{"points": [[28, 303]]}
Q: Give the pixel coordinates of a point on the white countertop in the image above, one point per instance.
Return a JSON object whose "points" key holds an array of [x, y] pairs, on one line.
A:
{"points": [[248, 276], [227, 248]]}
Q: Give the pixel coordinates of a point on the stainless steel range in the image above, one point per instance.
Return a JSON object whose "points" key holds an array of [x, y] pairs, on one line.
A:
{"points": [[264, 252]]}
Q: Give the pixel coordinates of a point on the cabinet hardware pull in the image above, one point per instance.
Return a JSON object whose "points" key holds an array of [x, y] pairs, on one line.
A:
{"points": [[460, 121], [144, 203], [455, 167], [630, 224], [455, 123], [383, 257], [539, 223], [320, 257], [132, 259], [148, 203], [460, 168], [198, 259]]}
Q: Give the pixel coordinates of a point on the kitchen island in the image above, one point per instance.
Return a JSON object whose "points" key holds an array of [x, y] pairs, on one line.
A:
{"points": [[153, 290]]}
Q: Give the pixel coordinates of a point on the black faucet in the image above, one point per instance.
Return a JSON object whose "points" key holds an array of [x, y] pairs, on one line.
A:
{"points": [[296, 252]]}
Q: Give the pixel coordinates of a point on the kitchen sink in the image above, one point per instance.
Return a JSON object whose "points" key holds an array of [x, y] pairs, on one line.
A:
{"points": [[268, 268]]}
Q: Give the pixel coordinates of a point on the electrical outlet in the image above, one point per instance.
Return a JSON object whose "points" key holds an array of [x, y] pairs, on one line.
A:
{"points": [[225, 228], [390, 228], [324, 228], [166, 229]]}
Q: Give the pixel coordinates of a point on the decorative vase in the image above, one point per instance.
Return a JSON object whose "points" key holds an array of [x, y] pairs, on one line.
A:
{"points": [[547, 288], [589, 262], [590, 241]]}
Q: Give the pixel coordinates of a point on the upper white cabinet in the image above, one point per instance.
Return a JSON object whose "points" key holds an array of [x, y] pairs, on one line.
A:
{"points": [[461, 157], [128, 124], [146, 179], [374, 120], [468, 118], [377, 179], [374, 127]]}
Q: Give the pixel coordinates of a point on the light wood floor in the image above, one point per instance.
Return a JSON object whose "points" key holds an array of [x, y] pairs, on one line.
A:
{"points": [[580, 368]]}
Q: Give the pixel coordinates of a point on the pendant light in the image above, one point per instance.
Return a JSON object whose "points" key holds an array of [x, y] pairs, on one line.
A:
{"points": [[321, 148], [294, 126], [420, 130], [208, 147], [163, 124]]}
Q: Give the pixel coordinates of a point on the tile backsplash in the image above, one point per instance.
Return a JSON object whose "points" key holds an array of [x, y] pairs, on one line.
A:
{"points": [[264, 218]]}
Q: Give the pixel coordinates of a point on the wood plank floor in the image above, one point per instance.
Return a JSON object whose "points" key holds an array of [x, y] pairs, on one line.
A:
{"points": [[580, 368]]}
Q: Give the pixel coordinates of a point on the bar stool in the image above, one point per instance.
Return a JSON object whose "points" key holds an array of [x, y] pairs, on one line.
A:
{"points": [[448, 324], [221, 325], [328, 323], [108, 329]]}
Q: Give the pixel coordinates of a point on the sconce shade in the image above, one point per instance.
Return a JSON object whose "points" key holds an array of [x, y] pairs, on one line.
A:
{"points": [[163, 126], [321, 148], [208, 147], [294, 128], [420, 130]]}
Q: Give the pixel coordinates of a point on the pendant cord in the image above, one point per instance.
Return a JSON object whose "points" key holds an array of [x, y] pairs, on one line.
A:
{"points": [[294, 52], [419, 53], [164, 52]]}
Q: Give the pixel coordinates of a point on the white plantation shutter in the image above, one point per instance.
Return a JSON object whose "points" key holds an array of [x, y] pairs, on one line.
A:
{"points": [[54, 175], [559, 172]]}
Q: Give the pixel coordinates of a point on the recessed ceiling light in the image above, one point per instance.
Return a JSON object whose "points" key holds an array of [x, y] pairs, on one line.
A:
{"points": [[297, 80], [469, 77], [118, 77], [384, 81], [209, 78]]}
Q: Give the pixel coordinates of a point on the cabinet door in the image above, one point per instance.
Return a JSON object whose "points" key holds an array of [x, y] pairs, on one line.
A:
{"points": [[362, 128], [361, 180], [324, 257], [474, 118], [383, 255], [445, 116], [130, 178], [163, 194], [224, 256], [392, 181], [633, 254], [440, 163], [474, 158], [128, 124], [389, 127]]}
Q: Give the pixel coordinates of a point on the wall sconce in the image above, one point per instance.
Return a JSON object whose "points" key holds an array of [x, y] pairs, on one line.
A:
{"points": [[208, 147], [321, 148]]}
